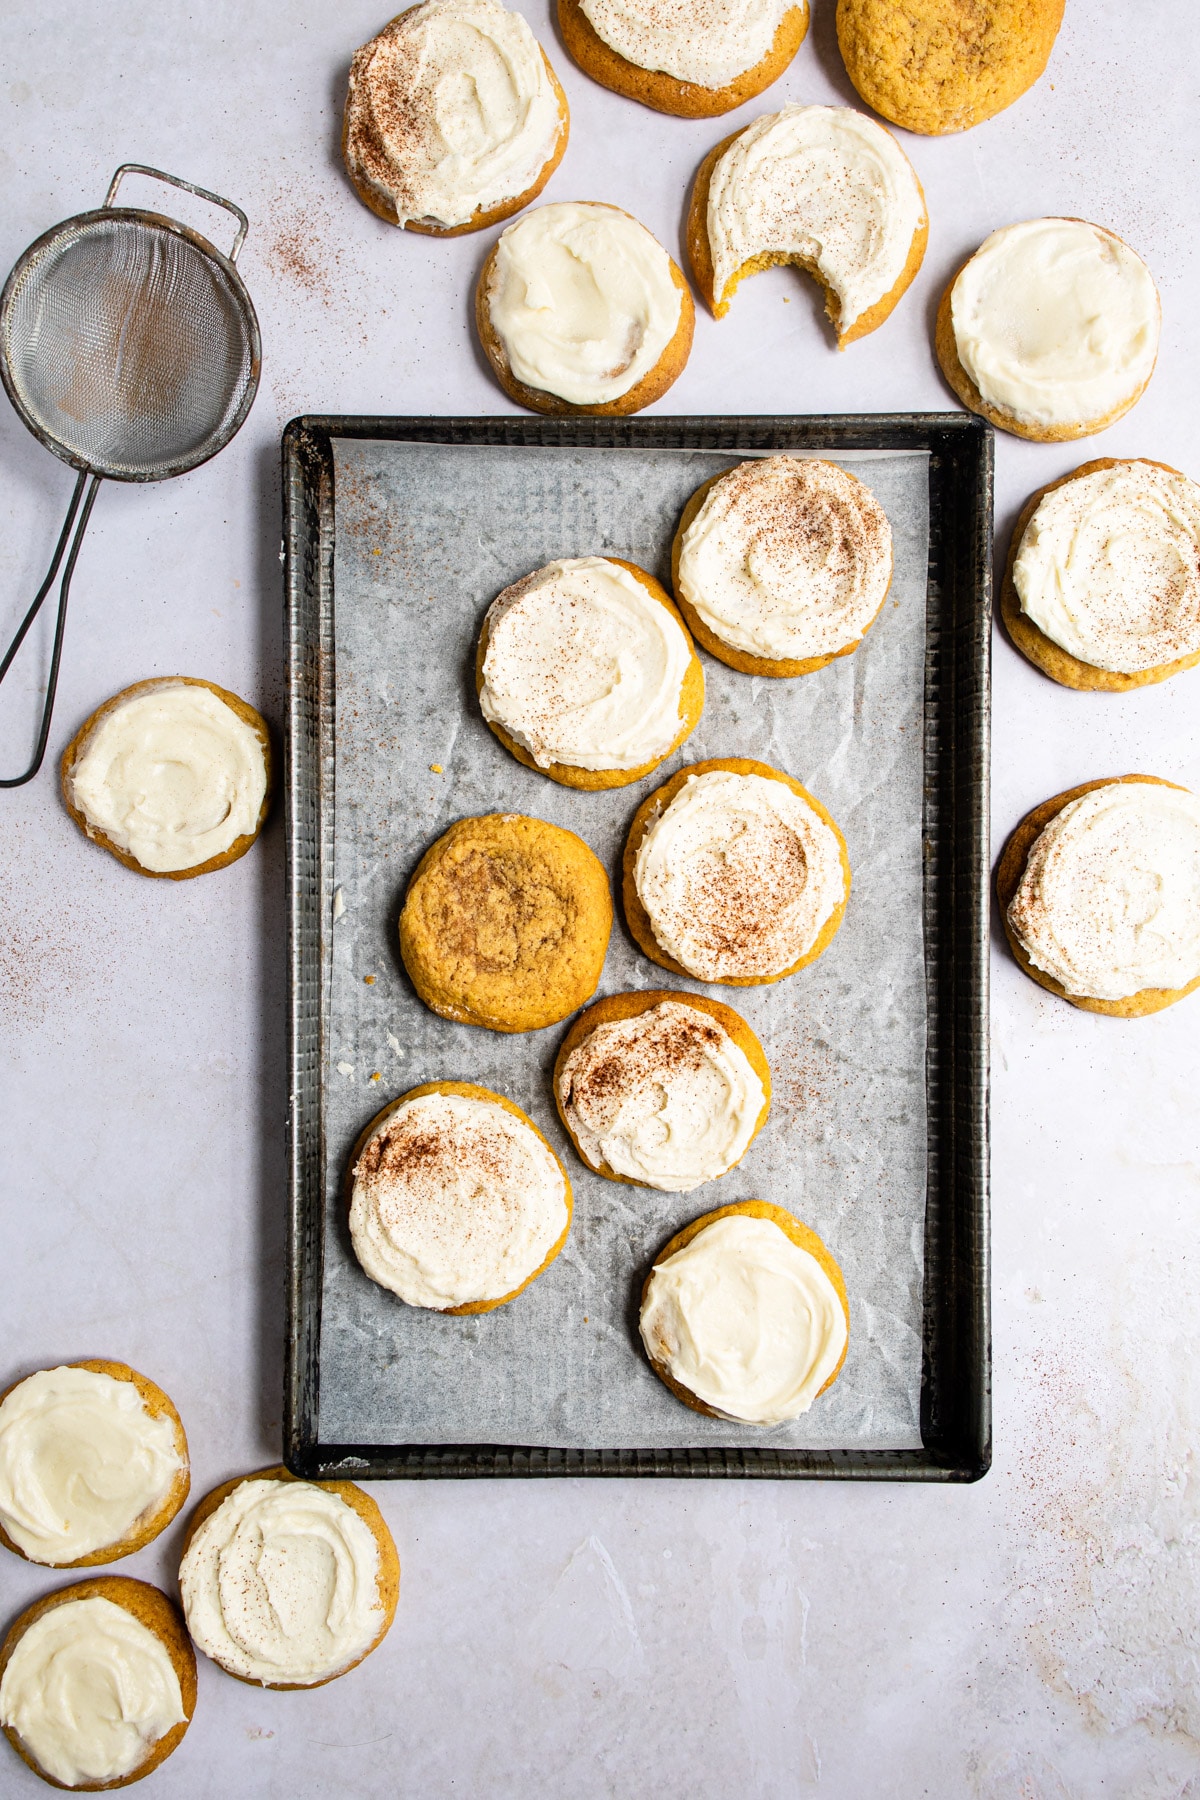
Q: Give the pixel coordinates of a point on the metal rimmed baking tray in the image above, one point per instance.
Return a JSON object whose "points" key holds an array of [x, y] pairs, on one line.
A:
{"points": [[436, 489]]}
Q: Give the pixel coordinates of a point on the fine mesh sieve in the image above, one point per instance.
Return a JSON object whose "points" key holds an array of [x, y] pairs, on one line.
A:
{"points": [[130, 348]]}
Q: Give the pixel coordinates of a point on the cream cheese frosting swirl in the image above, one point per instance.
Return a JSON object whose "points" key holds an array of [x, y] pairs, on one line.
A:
{"points": [[822, 183], [451, 111], [1109, 567], [280, 1583], [746, 1320], [787, 558], [582, 300], [455, 1200], [90, 1690], [171, 775], [1109, 901], [709, 42], [738, 876], [1056, 322], [82, 1459], [665, 1098], [584, 666]]}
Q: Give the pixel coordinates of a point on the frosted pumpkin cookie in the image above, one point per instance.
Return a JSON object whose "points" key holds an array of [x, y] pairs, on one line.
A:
{"points": [[822, 187], [454, 118], [1100, 895], [782, 564], [1050, 330], [734, 873], [457, 1202], [97, 1683], [1102, 586], [694, 58], [745, 1316], [662, 1089], [288, 1583], [506, 922], [943, 65], [586, 671], [93, 1464], [580, 310], [173, 776]]}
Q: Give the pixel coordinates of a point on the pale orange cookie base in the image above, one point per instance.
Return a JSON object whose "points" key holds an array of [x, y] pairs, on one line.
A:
{"points": [[700, 257], [1070, 671], [649, 813], [152, 1609], [665, 93], [469, 1091], [691, 705], [74, 749], [946, 346], [631, 1005], [801, 1235], [651, 387], [936, 66], [1011, 868], [148, 1527], [749, 664]]}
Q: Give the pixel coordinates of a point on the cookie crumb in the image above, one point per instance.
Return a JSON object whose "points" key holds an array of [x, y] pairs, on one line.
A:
{"points": [[375, 1075], [436, 769], [369, 980]]}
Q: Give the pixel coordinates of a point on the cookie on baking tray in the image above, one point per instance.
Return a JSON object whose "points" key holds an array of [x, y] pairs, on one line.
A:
{"points": [[782, 564], [744, 1315], [586, 672], [97, 1683], [662, 1088], [1099, 890], [822, 187], [693, 58], [454, 118], [580, 310], [288, 1583]]}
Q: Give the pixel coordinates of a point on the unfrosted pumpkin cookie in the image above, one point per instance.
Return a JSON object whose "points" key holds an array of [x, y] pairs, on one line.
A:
{"points": [[457, 1201], [745, 1316], [580, 310], [734, 873], [97, 1683], [1099, 891], [782, 564], [506, 922], [1102, 585], [1050, 330], [586, 672], [943, 65], [288, 1583], [822, 187], [693, 58], [663, 1089]]}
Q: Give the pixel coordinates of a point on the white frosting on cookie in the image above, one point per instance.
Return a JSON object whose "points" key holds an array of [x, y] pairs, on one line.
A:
{"points": [[666, 1098], [1109, 901], [709, 42], [1055, 321], [584, 666], [582, 300], [281, 1583], [172, 775], [738, 876], [90, 1690], [746, 1320], [1109, 567], [451, 111], [81, 1461], [824, 183], [787, 558], [455, 1200]]}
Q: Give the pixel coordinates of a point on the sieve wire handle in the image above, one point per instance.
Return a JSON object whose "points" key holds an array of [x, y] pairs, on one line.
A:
{"points": [[73, 529], [188, 188]]}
